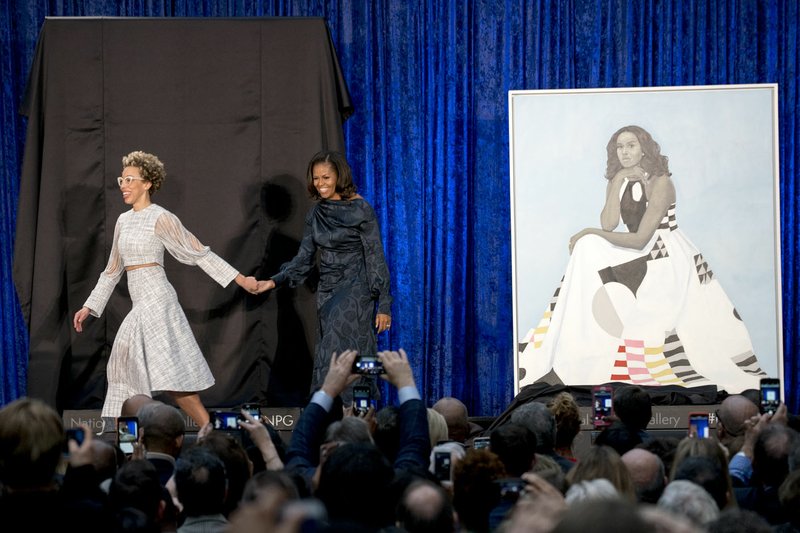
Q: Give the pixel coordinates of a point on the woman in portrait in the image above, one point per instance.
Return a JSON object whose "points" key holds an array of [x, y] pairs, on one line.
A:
{"points": [[154, 349], [639, 304], [353, 298]]}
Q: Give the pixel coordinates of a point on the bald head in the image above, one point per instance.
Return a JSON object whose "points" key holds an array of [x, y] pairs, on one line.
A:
{"points": [[455, 414], [732, 414], [131, 406], [647, 473]]}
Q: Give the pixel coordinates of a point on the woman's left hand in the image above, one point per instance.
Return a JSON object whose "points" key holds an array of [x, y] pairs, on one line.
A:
{"points": [[574, 239], [382, 322]]}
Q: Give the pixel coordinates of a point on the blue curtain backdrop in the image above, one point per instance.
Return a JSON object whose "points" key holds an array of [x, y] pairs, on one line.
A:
{"points": [[429, 141]]}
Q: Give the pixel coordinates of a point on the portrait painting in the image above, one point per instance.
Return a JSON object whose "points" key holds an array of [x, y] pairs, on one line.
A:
{"points": [[645, 236]]}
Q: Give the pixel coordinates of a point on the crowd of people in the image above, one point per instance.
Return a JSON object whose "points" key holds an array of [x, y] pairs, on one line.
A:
{"points": [[407, 467]]}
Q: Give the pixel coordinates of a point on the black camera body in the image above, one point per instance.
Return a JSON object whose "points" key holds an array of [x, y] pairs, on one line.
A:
{"points": [[368, 365]]}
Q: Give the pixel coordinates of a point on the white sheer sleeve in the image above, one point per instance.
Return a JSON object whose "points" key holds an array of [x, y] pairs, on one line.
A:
{"points": [[108, 279], [185, 247]]}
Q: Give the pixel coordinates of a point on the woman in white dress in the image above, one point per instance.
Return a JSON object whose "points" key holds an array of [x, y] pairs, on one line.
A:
{"points": [[155, 349], [640, 305]]}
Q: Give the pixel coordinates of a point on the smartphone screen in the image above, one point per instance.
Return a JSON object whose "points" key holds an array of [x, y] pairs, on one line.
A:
{"points": [[603, 405], [770, 395], [127, 433], [480, 442], [698, 425], [253, 410], [226, 420], [441, 466], [366, 364], [76, 434], [362, 400]]}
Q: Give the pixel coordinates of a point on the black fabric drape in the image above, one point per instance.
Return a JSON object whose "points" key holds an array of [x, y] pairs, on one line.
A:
{"points": [[234, 108]]}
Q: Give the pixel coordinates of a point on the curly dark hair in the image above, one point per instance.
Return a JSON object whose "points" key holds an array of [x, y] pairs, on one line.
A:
{"points": [[150, 166], [344, 177], [652, 161]]}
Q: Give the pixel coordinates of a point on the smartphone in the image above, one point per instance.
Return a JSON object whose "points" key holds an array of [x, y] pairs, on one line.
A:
{"points": [[770, 395], [253, 410], [76, 434], [127, 433], [362, 400], [367, 364], [511, 488], [480, 442], [603, 405], [226, 420], [441, 465], [698, 425]]}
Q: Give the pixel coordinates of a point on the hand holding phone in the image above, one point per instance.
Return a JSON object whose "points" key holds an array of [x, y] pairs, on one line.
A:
{"points": [[442, 465], [603, 406]]}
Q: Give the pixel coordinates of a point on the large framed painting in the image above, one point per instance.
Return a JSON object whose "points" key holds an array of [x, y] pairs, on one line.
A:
{"points": [[645, 236]]}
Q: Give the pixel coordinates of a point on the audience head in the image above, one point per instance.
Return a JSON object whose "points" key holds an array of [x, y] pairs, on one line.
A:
{"points": [[619, 436], [591, 489], [771, 454], [603, 462], [736, 520], [162, 428], [387, 431], [515, 445], [200, 482], [238, 467], [732, 414], [357, 468], [31, 443], [568, 419], [536, 417], [349, 429], [475, 492], [425, 507], [664, 448], [590, 514], [647, 474], [457, 417], [707, 473], [691, 500], [270, 478], [136, 485], [437, 427], [548, 469], [633, 406], [131, 406]]}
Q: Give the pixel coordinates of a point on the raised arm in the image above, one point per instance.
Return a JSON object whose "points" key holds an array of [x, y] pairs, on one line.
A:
{"points": [[661, 194]]}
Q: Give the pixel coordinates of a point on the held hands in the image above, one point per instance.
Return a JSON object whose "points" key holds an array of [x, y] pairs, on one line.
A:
{"points": [[574, 239], [254, 286]]}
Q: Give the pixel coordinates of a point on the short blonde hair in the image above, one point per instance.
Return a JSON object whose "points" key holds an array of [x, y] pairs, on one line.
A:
{"points": [[437, 427], [150, 166]]}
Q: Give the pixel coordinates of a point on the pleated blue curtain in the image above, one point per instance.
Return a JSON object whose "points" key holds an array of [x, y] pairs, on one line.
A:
{"points": [[428, 141]]}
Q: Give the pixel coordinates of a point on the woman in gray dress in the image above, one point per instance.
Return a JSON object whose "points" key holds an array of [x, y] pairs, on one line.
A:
{"points": [[154, 349]]}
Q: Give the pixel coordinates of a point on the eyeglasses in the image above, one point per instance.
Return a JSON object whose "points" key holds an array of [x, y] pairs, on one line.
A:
{"points": [[127, 180]]}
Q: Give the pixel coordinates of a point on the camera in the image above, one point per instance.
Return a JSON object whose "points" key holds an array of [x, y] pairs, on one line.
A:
{"points": [[480, 442], [76, 434], [770, 395], [603, 405], [368, 364], [441, 465], [253, 410], [362, 400], [698, 425], [511, 488], [127, 433], [226, 420]]}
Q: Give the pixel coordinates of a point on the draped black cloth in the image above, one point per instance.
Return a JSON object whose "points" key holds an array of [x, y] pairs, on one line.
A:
{"points": [[234, 108]]}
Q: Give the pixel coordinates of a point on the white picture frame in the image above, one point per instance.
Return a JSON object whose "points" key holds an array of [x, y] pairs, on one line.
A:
{"points": [[723, 150]]}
